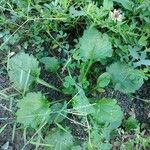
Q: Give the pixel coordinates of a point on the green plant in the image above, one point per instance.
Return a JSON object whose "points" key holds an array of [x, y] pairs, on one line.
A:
{"points": [[94, 45], [108, 112], [51, 63], [106, 117], [23, 71], [103, 80], [69, 85], [81, 104], [33, 110], [125, 78], [130, 124], [140, 140], [59, 112], [88, 49], [59, 139]]}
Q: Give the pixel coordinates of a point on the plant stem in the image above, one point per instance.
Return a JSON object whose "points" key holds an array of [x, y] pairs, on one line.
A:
{"points": [[86, 71], [42, 82]]}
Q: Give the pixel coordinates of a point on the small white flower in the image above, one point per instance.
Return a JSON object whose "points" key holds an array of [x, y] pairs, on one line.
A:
{"points": [[11, 54], [116, 15]]}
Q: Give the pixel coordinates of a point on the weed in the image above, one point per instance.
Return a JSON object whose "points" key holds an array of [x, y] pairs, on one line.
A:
{"points": [[88, 46]]}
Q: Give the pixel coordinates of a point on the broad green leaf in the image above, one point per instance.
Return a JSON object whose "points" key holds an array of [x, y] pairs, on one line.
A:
{"points": [[103, 80], [94, 45], [143, 55], [130, 124], [97, 140], [33, 110], [108, 112], [63, 3], [75, 13], [143, 41], [81, 104], [57, 109], [106, 146], [108, 4], [51, 63], [134, 52], [69, 85], [128, 4], [23, 70], [125, 78], [77, 148], [59, 140], [145, 62]]}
